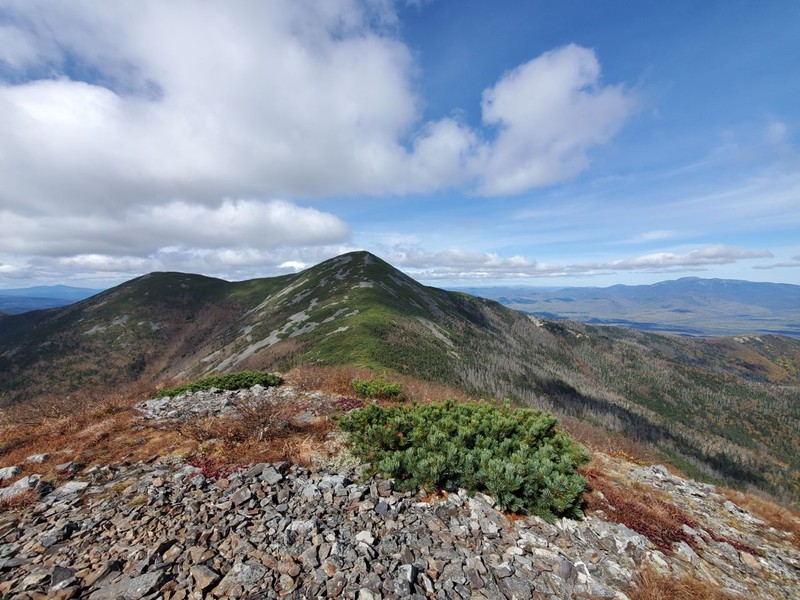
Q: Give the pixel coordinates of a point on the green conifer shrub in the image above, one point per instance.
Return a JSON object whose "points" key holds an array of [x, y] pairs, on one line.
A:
{"points": [[377, 387], [515, 455], [230, 381]]}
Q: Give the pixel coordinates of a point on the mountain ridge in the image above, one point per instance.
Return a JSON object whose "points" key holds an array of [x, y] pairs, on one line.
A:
{"points": [[722, 407], [21, 300], [686, 306]]}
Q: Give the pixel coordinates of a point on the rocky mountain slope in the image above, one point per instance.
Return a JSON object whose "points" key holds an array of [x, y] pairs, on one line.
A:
{"points": [[724, 407], [166, 529]]}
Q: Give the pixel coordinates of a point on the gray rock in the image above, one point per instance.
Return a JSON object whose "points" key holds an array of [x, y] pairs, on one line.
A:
{"points": [[29, 482], [244, 575], [204, 577], [68, 467], [271, 476], [241, 496], [408, 572], [565, 568], [130, 588], [504, 570], [60, 577], [335, 585], [366, 537], [9, 472], [37, 458], [310, 557], [71, 487]]}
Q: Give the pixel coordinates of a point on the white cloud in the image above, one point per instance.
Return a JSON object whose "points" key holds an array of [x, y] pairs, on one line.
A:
{"points": [[19, 50], [792, 263], [197, 101], [550, 111], [103, 270], [455, 264], [652, 236], [145, 229], [712, 255], [133, 127], [777, 132]]}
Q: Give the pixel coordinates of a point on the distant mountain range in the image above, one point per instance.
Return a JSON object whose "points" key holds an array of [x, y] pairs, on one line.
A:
{"points": [[726, 407], [687, 306], [20, 300]]}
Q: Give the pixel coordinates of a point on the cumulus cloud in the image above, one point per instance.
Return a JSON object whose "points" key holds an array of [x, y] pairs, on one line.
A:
{"points": [[282, 98], [145, 229], [133, 127], [102, 270], [550, 111]]}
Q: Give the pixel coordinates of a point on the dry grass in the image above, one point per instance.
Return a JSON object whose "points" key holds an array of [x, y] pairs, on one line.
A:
{"points": [[102, 428], [645, 510], [769, 511], [652, 585], [330, 379], [338, 380], [261, 430], [96, 427], [18, 501], [300, 445]]}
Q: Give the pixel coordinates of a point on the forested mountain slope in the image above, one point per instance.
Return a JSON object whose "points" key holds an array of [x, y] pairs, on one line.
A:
{"points": [[725, 406]]}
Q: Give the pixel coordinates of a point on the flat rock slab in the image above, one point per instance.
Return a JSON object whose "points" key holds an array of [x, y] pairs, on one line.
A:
{"points": [[71, 487], [131, 588], [37, 458], [9, 472]]}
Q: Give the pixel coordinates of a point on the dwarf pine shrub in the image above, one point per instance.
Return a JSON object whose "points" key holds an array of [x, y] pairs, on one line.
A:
{"points": [[377, 388], [515, 455], [230, 381]]}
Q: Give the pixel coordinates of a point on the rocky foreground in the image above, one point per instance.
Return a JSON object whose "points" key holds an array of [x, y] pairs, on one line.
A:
{"points": [[165, 529]]}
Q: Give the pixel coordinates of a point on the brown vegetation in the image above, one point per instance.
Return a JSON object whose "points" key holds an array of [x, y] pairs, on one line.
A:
{"points": [[95, 426], [21, 500], [652, 585], [646, 510], [643, 509], [769, 511], [338, 379], [261, 431]]}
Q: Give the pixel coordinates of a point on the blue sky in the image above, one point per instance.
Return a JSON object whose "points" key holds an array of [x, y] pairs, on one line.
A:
{"points": [[468, 143]]}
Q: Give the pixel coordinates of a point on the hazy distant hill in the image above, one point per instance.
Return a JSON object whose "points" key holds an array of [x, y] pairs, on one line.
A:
{"points": [[20, 300], [725, 406], [687, 306]]}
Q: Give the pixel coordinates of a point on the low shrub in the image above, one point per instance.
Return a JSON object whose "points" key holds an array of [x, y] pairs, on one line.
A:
{"points": [[516, 455], [377, 388], [229, 381]]}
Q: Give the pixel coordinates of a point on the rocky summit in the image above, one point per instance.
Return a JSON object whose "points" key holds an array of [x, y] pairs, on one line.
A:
{"points": [[165, 529]]}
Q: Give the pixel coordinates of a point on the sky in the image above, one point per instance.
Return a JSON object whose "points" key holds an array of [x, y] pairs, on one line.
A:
{"points": [[466, 142]]}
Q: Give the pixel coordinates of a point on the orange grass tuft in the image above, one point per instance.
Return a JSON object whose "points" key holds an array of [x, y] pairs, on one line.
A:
{"points": [[18, 501], [769, 511], [652, 585]]}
